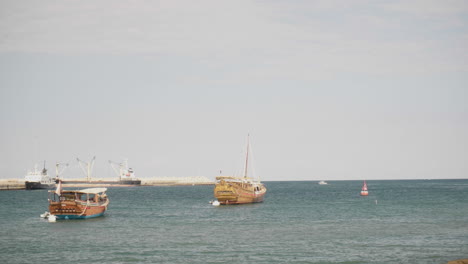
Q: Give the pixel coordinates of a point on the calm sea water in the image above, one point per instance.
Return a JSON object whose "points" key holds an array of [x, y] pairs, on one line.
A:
{"points": [[299, 222]]}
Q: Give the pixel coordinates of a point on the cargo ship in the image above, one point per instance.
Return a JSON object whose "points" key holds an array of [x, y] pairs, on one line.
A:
{"points": [[38, 179]]}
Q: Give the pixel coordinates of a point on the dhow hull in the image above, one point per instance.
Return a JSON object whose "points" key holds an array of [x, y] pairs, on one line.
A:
{"points": [[234, 196], [74, 216]]}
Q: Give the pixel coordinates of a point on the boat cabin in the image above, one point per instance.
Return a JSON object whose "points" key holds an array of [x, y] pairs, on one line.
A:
{"points": [[92, 195]]}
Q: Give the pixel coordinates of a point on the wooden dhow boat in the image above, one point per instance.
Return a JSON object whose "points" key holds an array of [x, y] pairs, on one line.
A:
{"points": [[77, 204], [239, 190]]}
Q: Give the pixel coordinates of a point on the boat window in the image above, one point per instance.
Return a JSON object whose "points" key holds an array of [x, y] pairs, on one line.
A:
{"points": [[102, 197], [82, 196], [91, 197], [54, 197], [67, 197]]}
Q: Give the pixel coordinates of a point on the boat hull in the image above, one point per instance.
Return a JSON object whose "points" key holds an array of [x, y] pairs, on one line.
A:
{"points": [[37, 185], [364, 193], [239, 199], [77, 210], [131, 182], [74, 216], [235, 193]]}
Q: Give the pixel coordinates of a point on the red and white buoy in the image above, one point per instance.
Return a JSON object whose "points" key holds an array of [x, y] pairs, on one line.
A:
{"points": [[364, 191]]}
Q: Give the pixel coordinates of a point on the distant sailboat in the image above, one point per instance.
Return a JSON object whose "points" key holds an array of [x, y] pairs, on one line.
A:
{"points": [[364, 191], [239, 190]]}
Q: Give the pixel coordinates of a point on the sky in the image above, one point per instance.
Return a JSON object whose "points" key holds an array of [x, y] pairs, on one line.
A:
{"points": [[327, 90]]}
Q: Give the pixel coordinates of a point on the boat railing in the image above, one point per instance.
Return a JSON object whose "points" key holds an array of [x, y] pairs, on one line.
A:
{"points": [[232, 178]]}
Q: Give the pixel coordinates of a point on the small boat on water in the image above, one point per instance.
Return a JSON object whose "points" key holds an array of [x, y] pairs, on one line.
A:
{"points": [[364, 191], [239, 190], [38, 179], [77, 204], [323, 183]]}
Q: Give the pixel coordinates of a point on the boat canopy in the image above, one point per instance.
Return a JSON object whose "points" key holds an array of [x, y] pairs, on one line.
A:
{"points": [[92, 190]]}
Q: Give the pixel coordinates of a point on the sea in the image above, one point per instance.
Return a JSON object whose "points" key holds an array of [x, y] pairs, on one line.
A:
{"points": [[401, 221]]}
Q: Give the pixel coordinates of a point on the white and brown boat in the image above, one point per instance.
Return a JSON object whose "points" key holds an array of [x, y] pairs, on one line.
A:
{"points": [[77, 204], [239, 190]]}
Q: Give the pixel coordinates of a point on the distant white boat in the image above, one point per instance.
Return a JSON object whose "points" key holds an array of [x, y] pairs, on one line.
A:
{"points": [[323, 183]]}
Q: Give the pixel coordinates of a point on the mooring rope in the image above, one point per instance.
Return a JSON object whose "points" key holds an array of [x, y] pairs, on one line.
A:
{"points": [[87, 203]]}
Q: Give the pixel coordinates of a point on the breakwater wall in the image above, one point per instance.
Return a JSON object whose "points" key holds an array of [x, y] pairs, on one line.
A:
{"points": [[12, 184], [15, 184], [175, 181]]}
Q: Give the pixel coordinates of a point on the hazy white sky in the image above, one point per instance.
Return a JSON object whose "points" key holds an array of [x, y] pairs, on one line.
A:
{"points": [[327, 89]]}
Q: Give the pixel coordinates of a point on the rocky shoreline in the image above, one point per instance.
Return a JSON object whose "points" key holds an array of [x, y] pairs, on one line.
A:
{"points": [[176, 181]]}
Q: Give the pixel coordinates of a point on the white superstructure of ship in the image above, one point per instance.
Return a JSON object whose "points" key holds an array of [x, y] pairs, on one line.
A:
{"points": [[126, 174], [38, 179]]}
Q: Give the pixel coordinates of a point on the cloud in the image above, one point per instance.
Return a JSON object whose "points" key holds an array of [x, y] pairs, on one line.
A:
{"points": [[330, 83], [300, 40]]}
